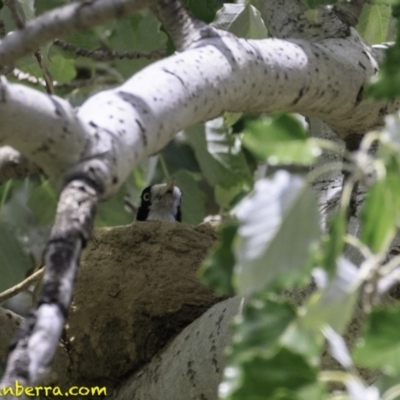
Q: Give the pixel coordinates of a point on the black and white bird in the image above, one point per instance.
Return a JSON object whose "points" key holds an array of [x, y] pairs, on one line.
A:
{"points": [[160, 202]]}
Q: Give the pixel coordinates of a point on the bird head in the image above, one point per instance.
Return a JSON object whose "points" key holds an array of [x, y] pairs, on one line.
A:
{"points": [[160, 202]]}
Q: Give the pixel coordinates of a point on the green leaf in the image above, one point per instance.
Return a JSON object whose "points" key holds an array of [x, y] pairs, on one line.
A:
{"points": [[179, 155], [280, 139], [218, 153], [333, 242], [380, 345], [243, 20], [386, 382], [14, 262], [278, 224], [193, 200], [230, 118], [278, 377], [373, 23], [27, 210], [224, 196], [43, 203], [217, 270], [226, 148], [28, 9], [260, 366], [303, 341], [386, 84], [334, 302], [265, 319], [62, 69], [112, 212], [206, 9], [381, 209]]}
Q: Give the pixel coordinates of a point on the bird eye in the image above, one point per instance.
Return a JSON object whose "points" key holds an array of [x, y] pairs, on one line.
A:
{"points": [[146, 197]]}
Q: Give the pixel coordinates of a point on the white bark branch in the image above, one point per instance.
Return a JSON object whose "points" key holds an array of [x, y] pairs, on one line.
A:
{"points": [[192, 366], [35, 345], [115, 129]]}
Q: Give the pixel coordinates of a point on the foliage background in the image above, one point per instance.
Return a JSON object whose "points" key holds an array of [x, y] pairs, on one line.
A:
{"points": [[230, 164]]}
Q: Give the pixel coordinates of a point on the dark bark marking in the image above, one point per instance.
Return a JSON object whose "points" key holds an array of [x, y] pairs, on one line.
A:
{"points": [[299, 96], [58, 107], [3, 93], [42, 148], [360, 95], [142, 132], [177, 76], [128, 97]]}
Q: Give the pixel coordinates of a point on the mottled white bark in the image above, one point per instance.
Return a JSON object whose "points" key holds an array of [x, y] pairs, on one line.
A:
{"points": [[34, 347], [192, 365], [115, 129]]}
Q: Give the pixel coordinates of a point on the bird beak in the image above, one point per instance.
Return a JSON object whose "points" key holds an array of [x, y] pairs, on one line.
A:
{"points": [[169, 188]]}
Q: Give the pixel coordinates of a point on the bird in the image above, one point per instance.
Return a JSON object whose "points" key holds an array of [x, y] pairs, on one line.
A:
{"points": [[160, 202]]}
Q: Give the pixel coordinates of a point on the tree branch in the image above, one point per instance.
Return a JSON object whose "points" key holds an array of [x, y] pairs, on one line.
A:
{"points": [[196, 356], [62, 21], [106, 55], [289, 19], [20, 287], [14, 165], [115, 129], [349, 13], [180, 23], [37, 341]]}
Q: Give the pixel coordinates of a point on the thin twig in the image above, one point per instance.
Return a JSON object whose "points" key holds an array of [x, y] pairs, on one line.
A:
{"points": [[2, 29], [46, 74], [20, 22], [20, 287], [22, 76], [106, 55]]}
